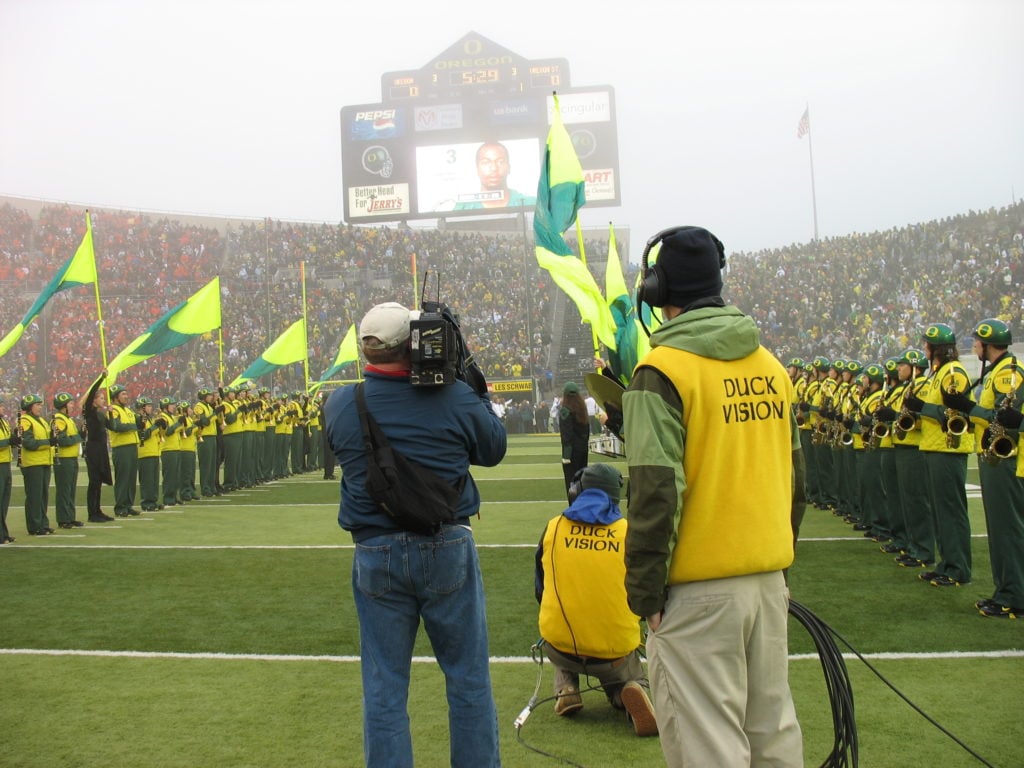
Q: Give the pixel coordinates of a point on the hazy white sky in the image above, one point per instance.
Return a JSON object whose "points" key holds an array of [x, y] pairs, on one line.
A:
{"points": [[231, 107]]}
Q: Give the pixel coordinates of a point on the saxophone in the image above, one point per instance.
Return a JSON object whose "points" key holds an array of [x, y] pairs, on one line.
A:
{"points": [[907, 419], [879, 430], [995, 441], [957, 424]]}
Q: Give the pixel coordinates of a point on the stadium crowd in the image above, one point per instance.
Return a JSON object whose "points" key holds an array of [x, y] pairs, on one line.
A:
{"points": [[868, 296], [861, 295]]}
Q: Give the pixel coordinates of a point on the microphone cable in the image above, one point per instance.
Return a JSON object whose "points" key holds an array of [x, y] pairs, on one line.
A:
{"points": [[538, 657], [844, 752]]}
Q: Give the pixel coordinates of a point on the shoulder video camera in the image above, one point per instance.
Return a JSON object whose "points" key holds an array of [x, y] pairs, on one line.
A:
{"points": [[438, 351]]}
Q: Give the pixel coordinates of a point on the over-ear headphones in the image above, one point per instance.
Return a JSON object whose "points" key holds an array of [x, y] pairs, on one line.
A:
{"points": [[653, 286]]}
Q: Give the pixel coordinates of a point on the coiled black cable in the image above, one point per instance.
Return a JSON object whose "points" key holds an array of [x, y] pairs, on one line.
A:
{"points": [[840, 693], [844, 753], [837, 682]]}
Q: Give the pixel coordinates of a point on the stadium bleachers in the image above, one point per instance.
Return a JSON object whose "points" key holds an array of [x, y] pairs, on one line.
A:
{"points": [[863, 295]]}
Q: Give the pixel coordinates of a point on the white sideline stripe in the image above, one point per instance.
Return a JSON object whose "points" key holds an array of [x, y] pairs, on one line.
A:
{"points": [[54, 545], [955, 655]]}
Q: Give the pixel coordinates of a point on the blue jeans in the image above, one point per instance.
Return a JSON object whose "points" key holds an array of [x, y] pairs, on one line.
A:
{"points": [[396, 579]]}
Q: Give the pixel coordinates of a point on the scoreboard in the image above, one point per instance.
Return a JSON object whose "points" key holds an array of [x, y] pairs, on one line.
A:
{"points": [[465, 136]]}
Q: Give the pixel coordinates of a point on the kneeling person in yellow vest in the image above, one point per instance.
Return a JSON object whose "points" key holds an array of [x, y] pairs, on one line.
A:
{"points": [[584, 620]]}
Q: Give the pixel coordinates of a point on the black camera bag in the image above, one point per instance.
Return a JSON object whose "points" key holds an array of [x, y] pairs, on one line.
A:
{"points": [[412, 495]]}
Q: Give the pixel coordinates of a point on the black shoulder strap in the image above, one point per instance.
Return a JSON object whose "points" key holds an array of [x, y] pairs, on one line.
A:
{"points": [[364, 418], [373, 435], [374, 438]]}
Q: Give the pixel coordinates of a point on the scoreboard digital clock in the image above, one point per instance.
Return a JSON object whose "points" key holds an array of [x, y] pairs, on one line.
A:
{"points": [[465, 135]]}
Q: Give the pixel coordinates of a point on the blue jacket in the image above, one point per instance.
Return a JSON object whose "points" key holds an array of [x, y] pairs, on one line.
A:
{"points": [[445, 429]]}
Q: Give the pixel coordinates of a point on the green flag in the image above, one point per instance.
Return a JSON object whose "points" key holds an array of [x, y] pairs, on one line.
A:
{"points": [[289, 347], [560, 194], [622, 360], [80, 269], [347, 353], [198, 314]]}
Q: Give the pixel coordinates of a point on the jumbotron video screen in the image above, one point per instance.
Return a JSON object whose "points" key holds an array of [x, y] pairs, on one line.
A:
{"points": [[465, 136]]}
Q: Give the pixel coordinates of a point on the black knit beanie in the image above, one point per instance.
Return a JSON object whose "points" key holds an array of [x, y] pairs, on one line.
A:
{"points": [[691, 259]]}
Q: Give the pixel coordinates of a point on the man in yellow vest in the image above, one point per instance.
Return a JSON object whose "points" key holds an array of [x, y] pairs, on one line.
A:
{"points": [[584, 620], [206, 419], [945, 448], [8, 441], [124, 451], [65, 464], [189, 447], [36, 464], [711, 445], [150, 444]]}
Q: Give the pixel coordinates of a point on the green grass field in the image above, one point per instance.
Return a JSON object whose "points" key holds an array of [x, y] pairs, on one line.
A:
{"points": [[223, 634]]}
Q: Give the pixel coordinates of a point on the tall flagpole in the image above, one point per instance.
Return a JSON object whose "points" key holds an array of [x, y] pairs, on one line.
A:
{"points": [[806, 125], [583, 258], [220, 354], [305, 331], [96, 286]]}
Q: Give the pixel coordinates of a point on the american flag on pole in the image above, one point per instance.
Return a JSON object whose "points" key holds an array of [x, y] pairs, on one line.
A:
{"points": [[804, 126]]}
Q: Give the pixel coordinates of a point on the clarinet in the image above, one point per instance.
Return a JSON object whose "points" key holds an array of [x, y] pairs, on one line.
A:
{"points": [[20, 433], [54, 434]]}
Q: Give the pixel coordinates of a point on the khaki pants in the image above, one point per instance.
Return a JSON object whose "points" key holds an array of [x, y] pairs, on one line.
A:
{"points": [[718, 666]]}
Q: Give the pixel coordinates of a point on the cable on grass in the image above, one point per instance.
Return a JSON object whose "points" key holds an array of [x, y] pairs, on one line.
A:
{"points": [[837, 682], [538, 657], [803, 615]]}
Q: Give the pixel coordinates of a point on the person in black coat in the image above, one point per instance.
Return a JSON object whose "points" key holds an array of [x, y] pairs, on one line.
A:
{"points": [[574, 428], [93, 405]]}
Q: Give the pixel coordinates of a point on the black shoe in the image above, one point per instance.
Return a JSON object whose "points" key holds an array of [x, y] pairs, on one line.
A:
{"points": [[891, 549], [881, 538], [77, 524], [120, 514], [134, 512], [908, 561], [927, 575], [65, 525], [941, 580], [994, 610], [101, 519]]}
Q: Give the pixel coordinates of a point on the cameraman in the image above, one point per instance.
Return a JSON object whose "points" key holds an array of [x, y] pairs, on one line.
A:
{"points": [[399, 577]]}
